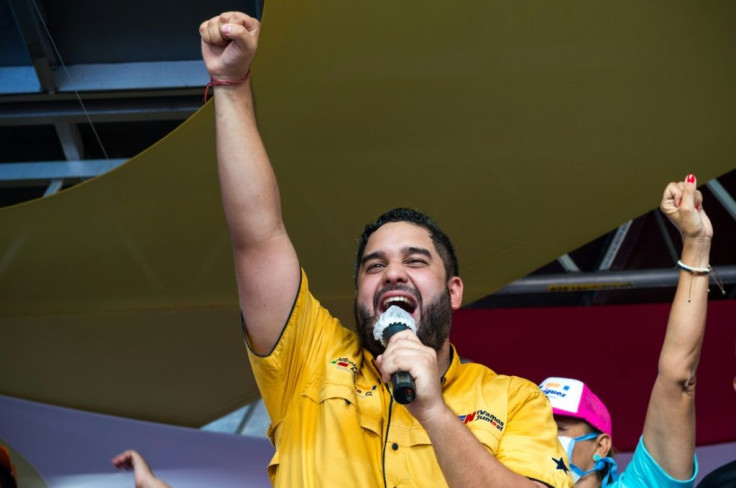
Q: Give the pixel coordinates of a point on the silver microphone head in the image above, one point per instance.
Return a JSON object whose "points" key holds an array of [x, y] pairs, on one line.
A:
{"points": [[395, 315]]}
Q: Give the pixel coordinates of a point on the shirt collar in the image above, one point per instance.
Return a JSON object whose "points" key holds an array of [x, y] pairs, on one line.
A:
{"points": [[452, 370]]}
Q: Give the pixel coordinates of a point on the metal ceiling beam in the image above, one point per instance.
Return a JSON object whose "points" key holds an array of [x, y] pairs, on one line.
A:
{"points": [[53, 110], [28, 174], [133, 76], [54, 187], [73, 147], [19, 79], [568, 264], [108, 77], [614, 246], [723, 197], [71, 141], [605, 280], [40, 50]]}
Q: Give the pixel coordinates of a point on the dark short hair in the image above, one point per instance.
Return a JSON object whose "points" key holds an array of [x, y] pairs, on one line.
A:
{"points": [[441, 241]]}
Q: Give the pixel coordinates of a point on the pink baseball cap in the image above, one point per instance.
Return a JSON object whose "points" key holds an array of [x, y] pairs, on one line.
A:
{"points": [[573, 398]]}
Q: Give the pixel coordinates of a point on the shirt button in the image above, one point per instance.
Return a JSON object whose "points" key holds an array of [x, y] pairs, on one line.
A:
{"points": [[395, 446]]}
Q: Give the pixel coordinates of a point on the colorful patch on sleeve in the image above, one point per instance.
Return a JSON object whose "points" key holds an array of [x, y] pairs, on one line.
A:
{"points": [[482, 416]]}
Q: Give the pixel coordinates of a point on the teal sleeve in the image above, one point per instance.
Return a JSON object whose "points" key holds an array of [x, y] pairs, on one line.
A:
{"points": [[644, 472]]}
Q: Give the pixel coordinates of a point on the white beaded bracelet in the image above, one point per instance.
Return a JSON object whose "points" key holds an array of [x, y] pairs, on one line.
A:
{"points": [[693, 269], [700, 271]]}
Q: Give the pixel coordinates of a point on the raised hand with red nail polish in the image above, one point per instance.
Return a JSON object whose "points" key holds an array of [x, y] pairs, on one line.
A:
{"points": [[682, 203]]}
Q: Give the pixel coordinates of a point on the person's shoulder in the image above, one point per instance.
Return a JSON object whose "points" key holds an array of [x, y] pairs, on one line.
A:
{"points": [[515, 384], [523, 384], [521, 390], [516, 388], [477, 369], [487, 375], [309, 319]]}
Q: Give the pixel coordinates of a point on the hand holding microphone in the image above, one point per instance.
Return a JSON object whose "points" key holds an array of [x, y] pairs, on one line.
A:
{"points": [[392, 321]]}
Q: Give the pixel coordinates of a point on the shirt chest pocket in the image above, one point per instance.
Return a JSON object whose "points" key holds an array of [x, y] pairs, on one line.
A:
{"points": [[339, 403], [487, 435], [420, 461]]}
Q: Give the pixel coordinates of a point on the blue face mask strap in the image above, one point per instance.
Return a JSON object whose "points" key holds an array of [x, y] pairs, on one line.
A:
{"points": [[571, 448], [612, 474], [600, 465], [586, 437]]}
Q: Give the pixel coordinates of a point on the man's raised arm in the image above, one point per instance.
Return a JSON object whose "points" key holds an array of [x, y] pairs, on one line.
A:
{"points": [[266, 264]]}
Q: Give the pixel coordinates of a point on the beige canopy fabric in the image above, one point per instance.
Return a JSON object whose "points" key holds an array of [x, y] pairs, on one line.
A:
{"points": [[527, 129]]}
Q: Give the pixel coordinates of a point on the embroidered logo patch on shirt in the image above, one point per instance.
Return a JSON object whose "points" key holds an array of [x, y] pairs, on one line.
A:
{"points": [[366, 392], [345, 363], [482, 416]]}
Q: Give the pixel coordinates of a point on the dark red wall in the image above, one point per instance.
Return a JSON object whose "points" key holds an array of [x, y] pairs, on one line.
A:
{"points": [[614, 349]]}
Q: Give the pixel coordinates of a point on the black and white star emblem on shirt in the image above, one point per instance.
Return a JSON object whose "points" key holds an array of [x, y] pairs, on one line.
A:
{"points": [[561, 464]]}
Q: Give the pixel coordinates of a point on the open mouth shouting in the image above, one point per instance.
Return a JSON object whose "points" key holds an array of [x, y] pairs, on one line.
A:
{"points": [[403, 297]]}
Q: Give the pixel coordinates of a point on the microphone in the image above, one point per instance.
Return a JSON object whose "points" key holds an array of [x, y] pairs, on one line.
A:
{"points": [[392, 321]]}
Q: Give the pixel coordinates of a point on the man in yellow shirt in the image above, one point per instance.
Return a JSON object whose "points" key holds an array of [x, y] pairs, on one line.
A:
{"points": [[334, 421]]}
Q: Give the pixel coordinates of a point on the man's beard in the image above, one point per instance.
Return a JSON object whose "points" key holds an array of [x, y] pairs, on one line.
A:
{"points": [[433, 328]]}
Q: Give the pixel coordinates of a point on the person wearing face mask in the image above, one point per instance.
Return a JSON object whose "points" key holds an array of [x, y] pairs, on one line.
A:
{"points": [[584, 430], [665, 454]]}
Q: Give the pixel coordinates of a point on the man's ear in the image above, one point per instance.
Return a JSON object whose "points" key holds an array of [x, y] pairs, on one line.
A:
{"points": [[603, 445], [455, 287]]}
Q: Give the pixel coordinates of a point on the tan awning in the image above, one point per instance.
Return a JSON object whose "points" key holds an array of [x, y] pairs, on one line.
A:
{"points": [[526, 129]]}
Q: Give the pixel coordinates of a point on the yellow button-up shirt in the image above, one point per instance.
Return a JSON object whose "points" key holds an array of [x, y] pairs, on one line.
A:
{"points": [[333, 421]]}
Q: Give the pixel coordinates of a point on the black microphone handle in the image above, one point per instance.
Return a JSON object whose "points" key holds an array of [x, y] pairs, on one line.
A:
{"points": [[404, 387]]}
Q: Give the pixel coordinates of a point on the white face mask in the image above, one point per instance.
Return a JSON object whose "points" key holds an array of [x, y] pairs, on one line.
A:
{"points": [[568, 445]]}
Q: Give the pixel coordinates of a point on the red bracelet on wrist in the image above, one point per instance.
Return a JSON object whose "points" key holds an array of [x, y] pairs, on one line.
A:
{"points": [[214, 82]]}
